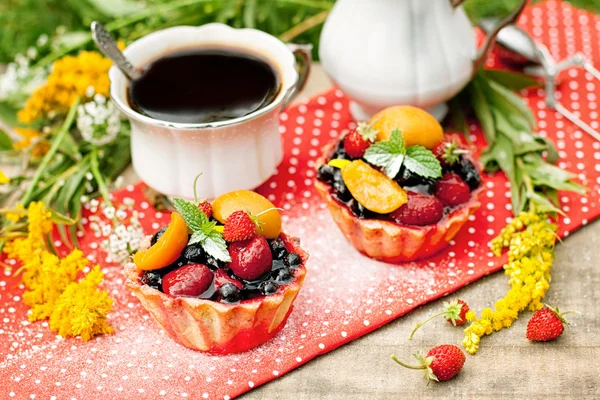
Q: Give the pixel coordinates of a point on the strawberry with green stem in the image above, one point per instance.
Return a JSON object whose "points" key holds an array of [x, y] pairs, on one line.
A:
{"points": [[547, 324], [360, 139], [448, 152], [441, 364], [241, 225], [454, 311]]}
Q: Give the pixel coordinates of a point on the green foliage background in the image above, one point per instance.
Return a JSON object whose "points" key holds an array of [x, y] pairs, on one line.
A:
{"points": [[23, 21]]}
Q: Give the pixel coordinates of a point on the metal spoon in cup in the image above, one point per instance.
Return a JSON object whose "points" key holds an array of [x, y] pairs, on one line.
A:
{"points": [[108, 46]]}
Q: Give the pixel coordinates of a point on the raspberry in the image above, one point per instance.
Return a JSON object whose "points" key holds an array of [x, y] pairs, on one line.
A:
{"points": [[419, 210], [452, 190]]}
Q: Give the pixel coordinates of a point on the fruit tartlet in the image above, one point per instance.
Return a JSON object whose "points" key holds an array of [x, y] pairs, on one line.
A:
{"points": [[220, 277], [397, 187]]}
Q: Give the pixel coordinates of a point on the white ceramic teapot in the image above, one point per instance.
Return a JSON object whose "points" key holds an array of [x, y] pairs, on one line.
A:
{"points": [[387, 52]]}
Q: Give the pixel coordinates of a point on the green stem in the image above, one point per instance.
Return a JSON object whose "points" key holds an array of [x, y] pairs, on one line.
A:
{"points": [[62, 133], [420, 324], [406, 365], [195, 183], [94, 166]]}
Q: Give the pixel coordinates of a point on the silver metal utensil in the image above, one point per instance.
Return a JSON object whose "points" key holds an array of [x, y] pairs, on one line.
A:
{"points": [[543, 65], [108, 46]]}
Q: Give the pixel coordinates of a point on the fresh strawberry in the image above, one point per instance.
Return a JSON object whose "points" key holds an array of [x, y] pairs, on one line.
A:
{"points": [[238, 226], [448, 152], [452, 190], [442, 363], [419, 210], [359, 140], [454, 311], [251, 258], [189, 280], [206, 208], [546, 324]]}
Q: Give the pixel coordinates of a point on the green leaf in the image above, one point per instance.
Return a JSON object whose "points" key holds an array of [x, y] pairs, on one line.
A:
{"points": [[516, 129], [388, 155], [215, 245], [5, 141], [543, 204], [8, 114], [482, 110], [194, 218], [511, 80], [422, 162], [509, 102]]}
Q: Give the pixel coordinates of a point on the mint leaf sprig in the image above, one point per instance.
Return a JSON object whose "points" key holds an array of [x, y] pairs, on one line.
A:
{"points": [[203, 230], [392, 154]]}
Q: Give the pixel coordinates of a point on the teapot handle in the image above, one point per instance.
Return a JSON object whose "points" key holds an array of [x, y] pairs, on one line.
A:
{"points": [[482, 53]]}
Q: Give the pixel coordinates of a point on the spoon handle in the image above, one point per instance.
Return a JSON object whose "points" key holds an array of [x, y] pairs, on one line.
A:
{"points": [[107, 45]]}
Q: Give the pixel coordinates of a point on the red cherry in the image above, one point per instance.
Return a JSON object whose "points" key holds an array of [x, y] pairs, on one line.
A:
{"points": [[251, 258], [189, 280]]}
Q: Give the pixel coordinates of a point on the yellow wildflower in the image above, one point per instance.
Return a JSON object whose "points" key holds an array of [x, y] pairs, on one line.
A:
{"points": [[3, 178], [70, 78], [530, 240], [16, 216], [51, 280], [31, 137], [82, 308]]}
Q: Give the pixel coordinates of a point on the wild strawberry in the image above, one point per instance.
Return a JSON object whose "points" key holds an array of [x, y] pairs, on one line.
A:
{"points": [[448, 152], [189, 280], [452, 190], [206, 208], [419, 210], [238, 226], [442, 363], [454, 311], [251, 258], [546, 324], [359, 140]]}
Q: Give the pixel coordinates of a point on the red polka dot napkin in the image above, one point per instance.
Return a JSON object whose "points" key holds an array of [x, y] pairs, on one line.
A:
{"points": [[345, 296]]}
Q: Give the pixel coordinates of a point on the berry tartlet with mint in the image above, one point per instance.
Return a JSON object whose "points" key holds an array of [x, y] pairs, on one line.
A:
{"points": [[398, 189], [220, 277]]}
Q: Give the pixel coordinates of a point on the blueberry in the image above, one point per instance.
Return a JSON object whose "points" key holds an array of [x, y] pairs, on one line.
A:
{"points": [[194, 253], [340, 152], [283, 275], [357, 208], [152, 279], [230, 293], [467, 170], [424, 188], [278, 249], [213, 263], [407, 178], [341, 190], [293, 260], [158, 234], [268, 288], [325, 173]]}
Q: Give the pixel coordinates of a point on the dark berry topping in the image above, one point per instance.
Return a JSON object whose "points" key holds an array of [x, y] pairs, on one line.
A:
{"points": [[194, 253], [467, 170], [268, 288], [278, 249], [152, 279], [283, 276], [213, 263], [340, 189], [230, 293], [407, 178], [340, 152], [325, 173], [293, 260], [158, 234]]}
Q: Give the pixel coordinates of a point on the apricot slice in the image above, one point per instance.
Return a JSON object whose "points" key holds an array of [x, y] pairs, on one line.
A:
{"points": [[416, 125], [269, 223], [372, 189], [167, 248]]}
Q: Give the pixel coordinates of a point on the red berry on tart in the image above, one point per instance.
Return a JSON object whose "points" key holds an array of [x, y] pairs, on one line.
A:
{"points": [[220, 277], [407, 194]]}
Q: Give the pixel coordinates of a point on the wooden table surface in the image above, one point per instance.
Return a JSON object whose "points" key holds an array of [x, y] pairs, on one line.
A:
{"points": [[507, 365]]}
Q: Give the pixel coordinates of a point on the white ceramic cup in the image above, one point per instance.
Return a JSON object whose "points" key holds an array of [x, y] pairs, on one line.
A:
{"points": [[234, 154]]}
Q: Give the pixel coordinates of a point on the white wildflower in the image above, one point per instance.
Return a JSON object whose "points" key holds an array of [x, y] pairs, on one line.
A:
{"points": [[98, 120], [124, 237]]}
